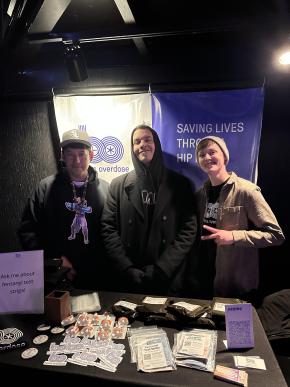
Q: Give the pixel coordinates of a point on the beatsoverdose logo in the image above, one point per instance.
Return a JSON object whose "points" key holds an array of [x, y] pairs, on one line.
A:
{"points": [[108, 149]]}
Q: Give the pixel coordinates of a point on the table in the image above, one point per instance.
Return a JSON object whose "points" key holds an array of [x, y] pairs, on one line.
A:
{"points": [[127, 373]]}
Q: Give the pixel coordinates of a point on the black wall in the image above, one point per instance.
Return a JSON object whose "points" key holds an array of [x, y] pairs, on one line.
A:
{"points": [[27, 152], [29, 146], [273, 178]]}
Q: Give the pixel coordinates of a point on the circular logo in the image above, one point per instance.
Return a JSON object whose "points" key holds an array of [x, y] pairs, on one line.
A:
{"points": [[9, 335], [109, 149]]}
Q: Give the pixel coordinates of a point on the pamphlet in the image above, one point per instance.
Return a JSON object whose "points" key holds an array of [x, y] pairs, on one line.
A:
{"points": [[239, 325], [22, 282]]}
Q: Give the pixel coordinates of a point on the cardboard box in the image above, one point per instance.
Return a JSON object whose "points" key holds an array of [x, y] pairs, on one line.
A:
{"points": [[57, 306]]}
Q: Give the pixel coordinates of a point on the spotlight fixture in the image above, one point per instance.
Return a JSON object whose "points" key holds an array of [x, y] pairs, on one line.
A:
{"points": [[281, 56], [284, 58], [75, 62]]}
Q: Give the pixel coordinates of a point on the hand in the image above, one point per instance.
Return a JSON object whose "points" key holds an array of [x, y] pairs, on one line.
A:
{"points": [[155, 280], [135, 275], [149, 271], [154, 273], [221, 237], [67, 264]]}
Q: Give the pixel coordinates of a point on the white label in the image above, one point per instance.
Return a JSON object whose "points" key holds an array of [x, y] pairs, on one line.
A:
{"points": [[187, 306], [127, 304], [155, 300]]}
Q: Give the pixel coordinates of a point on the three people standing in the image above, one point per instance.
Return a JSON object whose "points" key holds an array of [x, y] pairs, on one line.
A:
{"points": [[149, 222]]}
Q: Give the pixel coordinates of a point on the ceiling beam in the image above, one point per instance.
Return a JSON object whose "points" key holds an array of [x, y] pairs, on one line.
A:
{"points": [[90, 37], [48, 15], [128, 17]]}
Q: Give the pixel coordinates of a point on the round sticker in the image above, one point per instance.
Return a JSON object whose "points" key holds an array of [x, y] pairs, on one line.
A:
{"points": [[68, 320], [72, 331], [40, 339], [123, 321], [117, 332], [29, 353], [57, 330], [43, 327], [103, 335]]}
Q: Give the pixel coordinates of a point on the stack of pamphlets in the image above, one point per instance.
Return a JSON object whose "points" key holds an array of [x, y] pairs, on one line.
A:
{"points": [[85, 303], [195, 348], [150, 349]]}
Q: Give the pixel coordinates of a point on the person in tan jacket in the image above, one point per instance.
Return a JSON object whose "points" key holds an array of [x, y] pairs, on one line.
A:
{"points": [[235, 221]]}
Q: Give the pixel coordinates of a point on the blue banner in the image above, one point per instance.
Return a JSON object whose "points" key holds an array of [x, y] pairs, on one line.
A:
{"points": [[182, 119]]}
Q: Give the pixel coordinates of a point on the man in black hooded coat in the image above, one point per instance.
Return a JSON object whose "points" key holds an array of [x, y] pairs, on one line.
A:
{"points": [[148, 222]]}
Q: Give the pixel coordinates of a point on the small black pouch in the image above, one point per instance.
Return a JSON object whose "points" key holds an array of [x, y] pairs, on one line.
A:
{"points": [[121, 310], [187, 311]]}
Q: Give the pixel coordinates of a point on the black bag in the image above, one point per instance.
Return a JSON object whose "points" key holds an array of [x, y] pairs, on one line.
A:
{"points": [[55, 276], [274, 314]]}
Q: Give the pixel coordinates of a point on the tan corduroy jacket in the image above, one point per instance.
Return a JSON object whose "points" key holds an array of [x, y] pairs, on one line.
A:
{"points": [[243, 209]]}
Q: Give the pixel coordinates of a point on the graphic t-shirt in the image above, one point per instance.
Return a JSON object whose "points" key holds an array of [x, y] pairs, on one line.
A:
{"points": [[211, 211]]}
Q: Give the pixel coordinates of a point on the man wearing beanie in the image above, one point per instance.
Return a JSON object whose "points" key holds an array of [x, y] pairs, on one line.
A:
{"points": [[148, 222], [234, 221], [63, 216]]}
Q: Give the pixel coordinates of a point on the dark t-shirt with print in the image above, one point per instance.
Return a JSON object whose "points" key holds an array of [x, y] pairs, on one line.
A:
{"points": [[208, 248]]}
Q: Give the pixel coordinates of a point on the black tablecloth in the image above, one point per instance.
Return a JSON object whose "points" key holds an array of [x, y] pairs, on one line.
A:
{"points": [[127, 373]]}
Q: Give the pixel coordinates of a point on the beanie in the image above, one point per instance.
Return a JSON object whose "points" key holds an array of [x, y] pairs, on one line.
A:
{"points": [[219, 141]]}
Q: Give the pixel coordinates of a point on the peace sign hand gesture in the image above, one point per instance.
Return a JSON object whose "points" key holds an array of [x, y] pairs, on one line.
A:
{"points": [[221, 237]]}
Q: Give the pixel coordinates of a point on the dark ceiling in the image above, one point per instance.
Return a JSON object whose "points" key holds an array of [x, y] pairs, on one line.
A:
{"points": [[211, 37]]}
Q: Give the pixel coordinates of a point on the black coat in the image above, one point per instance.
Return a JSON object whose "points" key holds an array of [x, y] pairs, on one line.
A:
{"points": [[165, 243]]}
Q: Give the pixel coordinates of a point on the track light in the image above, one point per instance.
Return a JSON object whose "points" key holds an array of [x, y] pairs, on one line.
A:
{"points": [[284, 58], [75, 62], [281, 56]]}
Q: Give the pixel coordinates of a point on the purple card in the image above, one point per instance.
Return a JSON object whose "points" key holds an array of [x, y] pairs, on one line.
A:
{"points": [[239, 325]]}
